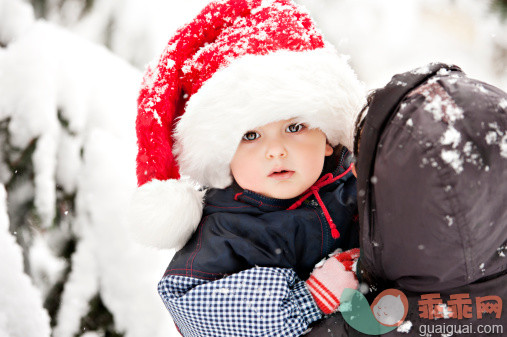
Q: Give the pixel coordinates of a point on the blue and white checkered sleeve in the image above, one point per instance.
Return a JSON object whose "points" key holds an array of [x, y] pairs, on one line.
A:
{"points": [[256, 302]]}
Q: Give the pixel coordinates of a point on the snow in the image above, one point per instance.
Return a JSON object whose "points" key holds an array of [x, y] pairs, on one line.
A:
{"points": [[392, 36], [137, 30], [451, 137], [49, 73], [503, 146], [21, 312], [497, 137], [91, 334], [15, 18], [363, 288], [444, 106], [450, 220], [463, 32], [404, 327], [482, 89], [224, 291], [82, 285], [491, 137], [60, 70], [453, 158], [45, 267], [501, 250], [443, 72], [421, 70]]}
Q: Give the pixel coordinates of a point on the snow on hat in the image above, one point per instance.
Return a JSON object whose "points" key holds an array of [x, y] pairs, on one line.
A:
{"points": [[238, 65]]}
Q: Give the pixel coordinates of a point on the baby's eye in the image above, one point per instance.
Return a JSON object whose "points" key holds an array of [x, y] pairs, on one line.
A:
{"points": [[296, 127], [251, 135]]}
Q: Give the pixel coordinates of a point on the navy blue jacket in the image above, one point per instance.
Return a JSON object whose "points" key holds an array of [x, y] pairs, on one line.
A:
{"points": [[241, 229]]}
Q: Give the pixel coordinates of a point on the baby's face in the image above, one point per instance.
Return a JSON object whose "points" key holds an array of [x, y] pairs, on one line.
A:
{"points": [[281, 159]]}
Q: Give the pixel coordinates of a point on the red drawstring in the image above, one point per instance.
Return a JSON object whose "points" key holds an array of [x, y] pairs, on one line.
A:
{"points": [[314, 189]]}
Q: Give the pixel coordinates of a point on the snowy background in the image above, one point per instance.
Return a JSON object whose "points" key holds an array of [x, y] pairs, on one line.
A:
{"points": [[69, 75]]}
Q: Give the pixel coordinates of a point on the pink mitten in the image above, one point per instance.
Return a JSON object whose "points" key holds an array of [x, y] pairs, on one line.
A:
{"points": [[327, 282]]}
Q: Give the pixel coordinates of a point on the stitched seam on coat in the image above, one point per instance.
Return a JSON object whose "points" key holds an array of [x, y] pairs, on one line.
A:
{"points": [[199, 271], [197, 247], [321, 232], [229, 207]]}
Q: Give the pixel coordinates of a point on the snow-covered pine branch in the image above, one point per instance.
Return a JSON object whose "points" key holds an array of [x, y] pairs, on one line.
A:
{"points": [[67, 114]]}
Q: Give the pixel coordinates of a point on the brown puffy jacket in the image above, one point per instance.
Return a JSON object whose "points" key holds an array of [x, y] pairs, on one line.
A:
{"points": [[432, 195]]}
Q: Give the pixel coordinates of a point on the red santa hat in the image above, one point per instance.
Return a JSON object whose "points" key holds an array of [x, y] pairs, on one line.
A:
{"points": [[238, 65]]}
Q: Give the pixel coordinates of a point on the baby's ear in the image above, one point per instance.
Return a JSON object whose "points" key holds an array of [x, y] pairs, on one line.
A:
{"points": [[329, 149]]}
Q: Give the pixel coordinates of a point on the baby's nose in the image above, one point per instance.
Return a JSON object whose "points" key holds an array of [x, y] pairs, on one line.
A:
{"points": [[276, 151]]}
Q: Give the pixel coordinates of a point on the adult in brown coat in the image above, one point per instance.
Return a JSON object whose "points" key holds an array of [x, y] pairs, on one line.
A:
{"points": [[432, 194]]}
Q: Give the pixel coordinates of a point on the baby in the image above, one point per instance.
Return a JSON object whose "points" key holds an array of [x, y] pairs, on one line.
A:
{"points": [[248, 102]]}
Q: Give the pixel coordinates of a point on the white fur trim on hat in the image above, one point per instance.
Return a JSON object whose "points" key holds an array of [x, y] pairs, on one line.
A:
{"points": [[317, 87], [164, 214]]}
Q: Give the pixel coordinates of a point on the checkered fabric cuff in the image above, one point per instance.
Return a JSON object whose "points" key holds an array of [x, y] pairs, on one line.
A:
{"points": [[306, 303]]}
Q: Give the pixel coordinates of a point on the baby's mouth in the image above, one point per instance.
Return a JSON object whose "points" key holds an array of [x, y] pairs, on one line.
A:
{"points": [[281, 174]]}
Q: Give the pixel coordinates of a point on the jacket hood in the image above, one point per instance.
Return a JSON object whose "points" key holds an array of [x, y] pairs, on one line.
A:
{"points": [[430, 181]]}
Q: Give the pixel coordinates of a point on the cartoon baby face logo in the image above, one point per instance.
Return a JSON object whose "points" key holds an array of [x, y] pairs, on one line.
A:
{"points": [[390, 307]]}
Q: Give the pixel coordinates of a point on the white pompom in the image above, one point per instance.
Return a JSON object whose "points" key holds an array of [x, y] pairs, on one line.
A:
{"points": [[164, 214]]}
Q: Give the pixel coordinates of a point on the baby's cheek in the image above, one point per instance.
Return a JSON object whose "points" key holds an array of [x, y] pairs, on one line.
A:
{"points": [[248, 178]]}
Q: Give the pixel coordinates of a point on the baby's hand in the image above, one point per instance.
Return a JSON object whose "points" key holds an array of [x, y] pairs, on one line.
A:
{"points": [[328, 280]]}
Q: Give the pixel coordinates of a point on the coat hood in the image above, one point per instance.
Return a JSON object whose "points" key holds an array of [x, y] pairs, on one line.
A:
{"points": [[431, 170]]}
